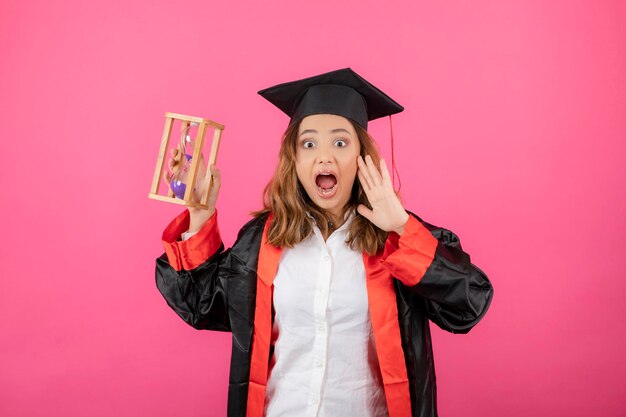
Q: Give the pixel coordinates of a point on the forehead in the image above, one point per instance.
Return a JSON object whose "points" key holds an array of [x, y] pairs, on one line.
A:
{"points": [[325, 122]]}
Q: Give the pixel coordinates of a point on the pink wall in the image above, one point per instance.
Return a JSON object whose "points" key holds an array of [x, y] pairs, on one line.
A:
{"points": [[513, 137]]}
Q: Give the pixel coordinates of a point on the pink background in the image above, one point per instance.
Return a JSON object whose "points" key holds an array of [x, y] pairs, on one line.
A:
{"points": [[512, 137]]}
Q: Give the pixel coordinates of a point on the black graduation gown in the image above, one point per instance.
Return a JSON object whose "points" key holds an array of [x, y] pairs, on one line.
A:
{"points": [[215, 289]]}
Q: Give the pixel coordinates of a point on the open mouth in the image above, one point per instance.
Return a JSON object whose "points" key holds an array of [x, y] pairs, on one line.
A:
{"points": [[326, 184]]}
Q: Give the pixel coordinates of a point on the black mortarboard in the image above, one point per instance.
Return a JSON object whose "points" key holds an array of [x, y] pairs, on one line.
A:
{"points": [[342, 92]]}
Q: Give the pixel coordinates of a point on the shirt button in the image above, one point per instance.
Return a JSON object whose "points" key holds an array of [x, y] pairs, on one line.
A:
{"points": [[315, 400], [326, 257], [319, 364]]}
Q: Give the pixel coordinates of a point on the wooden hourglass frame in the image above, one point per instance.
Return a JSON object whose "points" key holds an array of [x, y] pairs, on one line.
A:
{"points": [[186, 122]]}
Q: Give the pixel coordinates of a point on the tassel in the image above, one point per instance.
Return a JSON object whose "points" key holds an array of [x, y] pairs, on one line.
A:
{"points": [[394, 171]]}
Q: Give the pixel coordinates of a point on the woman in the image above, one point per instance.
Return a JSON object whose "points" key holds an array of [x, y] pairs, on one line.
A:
{"points": [[329, 289]]}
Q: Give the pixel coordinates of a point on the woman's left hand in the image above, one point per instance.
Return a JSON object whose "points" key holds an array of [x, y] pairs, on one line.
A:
{"points": [[387, 212]]}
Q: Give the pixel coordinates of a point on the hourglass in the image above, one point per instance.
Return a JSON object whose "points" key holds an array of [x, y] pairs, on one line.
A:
{"points": [[183, 187]]}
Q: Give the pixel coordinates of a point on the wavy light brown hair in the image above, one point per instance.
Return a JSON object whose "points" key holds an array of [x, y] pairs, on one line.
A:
{"points": [[286, 198]]}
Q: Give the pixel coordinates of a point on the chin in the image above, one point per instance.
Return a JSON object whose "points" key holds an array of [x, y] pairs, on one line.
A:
{"points": [[328, 206], [332, 204]]}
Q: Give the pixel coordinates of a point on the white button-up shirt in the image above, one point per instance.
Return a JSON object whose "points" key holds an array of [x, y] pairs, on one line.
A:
{"points": [[324, 361]]}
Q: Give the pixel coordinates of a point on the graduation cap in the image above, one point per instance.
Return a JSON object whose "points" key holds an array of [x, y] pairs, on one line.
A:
{"points": [[342, 92]]}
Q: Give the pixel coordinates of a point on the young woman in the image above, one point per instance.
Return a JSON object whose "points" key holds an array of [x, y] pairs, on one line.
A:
{"points": [[329, 289]]}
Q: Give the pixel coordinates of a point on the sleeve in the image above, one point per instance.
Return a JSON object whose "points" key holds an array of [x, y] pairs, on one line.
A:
{"points": [[430, 263], [191, 274]]}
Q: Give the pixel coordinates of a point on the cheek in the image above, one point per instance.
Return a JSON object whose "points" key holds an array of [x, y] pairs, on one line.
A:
{"points": [[349, 164], [303, 172], [351, 173]]}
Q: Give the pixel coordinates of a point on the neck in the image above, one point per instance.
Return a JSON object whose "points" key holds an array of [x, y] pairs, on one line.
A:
{"points": [[336, 218]]}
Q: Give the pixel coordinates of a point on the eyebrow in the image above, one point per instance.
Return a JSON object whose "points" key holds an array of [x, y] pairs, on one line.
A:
{"points": [[332, 131]]}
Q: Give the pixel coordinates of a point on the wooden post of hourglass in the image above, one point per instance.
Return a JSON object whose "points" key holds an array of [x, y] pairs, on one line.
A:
{"points": [[203, 125]]}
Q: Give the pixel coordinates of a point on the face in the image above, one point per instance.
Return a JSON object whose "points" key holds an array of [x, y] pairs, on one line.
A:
{"points": [[326, 160]]}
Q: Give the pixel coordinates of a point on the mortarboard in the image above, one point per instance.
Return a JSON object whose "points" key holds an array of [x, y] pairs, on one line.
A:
{"points": [[342, 92]]}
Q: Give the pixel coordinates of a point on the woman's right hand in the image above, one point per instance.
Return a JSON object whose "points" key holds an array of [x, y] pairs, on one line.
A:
{"points": [[198, 216]]}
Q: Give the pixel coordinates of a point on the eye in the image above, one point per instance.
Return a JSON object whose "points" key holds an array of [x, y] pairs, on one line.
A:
{"points": [[341, 143], [308, 143]]}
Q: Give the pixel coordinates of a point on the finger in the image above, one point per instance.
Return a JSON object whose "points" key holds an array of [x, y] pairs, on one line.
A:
{"points": [[216, 184], [171, 166], [365, 212], [385, 171], [173, 162], [201, 168], [207, 177], [215, 173], [366, 186], [176, 154], [363, 171], [374, 173], [166, 179], [170, 160]]}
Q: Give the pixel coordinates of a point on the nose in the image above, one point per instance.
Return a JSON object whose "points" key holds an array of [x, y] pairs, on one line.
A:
{"points": [[324, 159], [325, 155]]}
